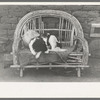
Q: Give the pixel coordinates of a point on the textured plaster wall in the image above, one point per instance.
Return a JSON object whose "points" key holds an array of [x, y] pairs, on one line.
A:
{"points": [[10, 16]]}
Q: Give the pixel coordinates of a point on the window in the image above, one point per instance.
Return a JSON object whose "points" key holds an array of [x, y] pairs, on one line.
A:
{"points": [[95, 30]]}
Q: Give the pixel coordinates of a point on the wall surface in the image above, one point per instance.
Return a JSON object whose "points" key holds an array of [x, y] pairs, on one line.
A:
{"points": [[10, 16]]}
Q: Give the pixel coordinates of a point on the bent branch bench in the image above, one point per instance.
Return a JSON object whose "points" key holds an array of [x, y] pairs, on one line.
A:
{"points": [[65, 27]]}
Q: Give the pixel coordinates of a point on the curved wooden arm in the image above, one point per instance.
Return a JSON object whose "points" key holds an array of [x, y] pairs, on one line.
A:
{"points": [[85, 50]]}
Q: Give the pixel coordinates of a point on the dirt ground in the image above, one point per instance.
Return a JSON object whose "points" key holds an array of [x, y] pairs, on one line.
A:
{"points": [[91, 74]]}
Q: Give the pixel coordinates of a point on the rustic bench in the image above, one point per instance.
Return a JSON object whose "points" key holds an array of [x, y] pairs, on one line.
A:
{"points": [[63, 25]]}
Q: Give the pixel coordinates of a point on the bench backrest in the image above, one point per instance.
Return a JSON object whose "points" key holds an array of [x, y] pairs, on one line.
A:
{"points": [[62, 28]]}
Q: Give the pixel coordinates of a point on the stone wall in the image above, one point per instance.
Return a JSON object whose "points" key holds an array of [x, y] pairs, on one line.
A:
{"points": [[10, 16]]}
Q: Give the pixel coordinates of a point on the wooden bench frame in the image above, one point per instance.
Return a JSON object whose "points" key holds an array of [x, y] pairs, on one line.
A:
{"points": [[56, 13]]}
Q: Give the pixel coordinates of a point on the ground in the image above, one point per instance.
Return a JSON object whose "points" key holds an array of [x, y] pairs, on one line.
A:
{"points": [[91, 74]]}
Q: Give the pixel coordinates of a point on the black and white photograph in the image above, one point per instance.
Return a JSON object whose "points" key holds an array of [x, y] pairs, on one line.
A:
{"points": [[49, 49], [50, 42]]}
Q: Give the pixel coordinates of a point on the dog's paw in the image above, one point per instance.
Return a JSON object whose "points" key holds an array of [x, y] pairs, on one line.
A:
{"points": [[37, 55], [47, 51]]}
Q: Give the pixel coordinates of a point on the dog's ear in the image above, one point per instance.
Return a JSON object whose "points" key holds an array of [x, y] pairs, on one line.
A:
{"points": [[30, 34]]}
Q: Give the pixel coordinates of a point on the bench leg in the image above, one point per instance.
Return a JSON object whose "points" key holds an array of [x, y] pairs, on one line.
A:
{"points": [[79, 72], [21, 72]]}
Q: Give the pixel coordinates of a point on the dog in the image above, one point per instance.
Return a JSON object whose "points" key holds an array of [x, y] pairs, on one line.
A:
{"points": [[37, 46], [34, 41], [54, 44]]}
